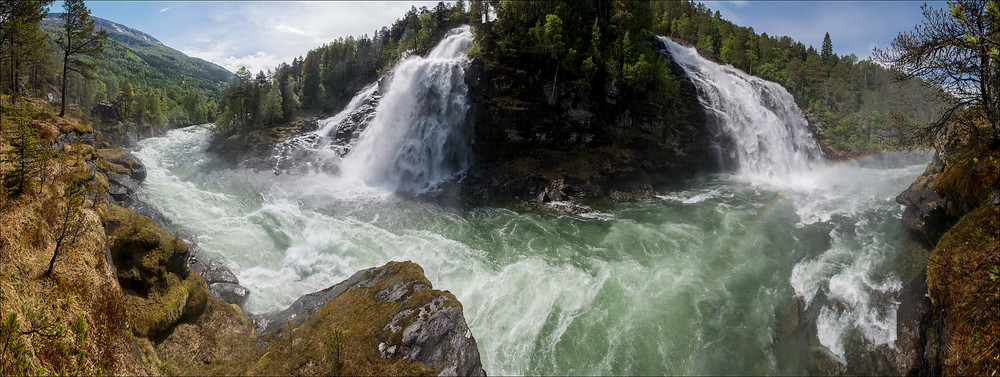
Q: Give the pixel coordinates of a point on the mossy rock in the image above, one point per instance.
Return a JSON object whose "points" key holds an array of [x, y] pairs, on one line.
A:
{"points": [[197, 296], [143, 253], [387, 320], [155, 314]]}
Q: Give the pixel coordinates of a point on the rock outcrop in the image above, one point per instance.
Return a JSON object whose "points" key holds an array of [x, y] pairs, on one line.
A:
{"points": [[390, 313], [925, 213], [540, 141]]}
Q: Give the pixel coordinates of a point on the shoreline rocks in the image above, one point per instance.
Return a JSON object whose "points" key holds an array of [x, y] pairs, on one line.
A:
{"points": [[925, 214]]}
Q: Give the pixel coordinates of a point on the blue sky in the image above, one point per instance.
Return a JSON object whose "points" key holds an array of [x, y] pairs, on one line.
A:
{"points": [[261, 34]]}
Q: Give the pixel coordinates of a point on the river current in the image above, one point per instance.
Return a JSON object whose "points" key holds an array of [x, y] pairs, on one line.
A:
{"points": [[699, 280]]}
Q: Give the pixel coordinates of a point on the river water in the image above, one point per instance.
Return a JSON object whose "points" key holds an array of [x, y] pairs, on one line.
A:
{"points": [[695, 281]]}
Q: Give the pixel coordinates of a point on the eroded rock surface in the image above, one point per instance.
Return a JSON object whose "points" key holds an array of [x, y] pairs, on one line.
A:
{"points": [[390, 312], [925, 213]]}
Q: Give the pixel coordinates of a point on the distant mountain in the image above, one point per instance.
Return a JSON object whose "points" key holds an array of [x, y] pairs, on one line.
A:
{"points": [[150, 50], [132, 56], [54, 20]]}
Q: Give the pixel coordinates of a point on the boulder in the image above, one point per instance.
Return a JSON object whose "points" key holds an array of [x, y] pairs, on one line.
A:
{"points": [[231, 293], [925, 213], [389, 313], [122, 186]]}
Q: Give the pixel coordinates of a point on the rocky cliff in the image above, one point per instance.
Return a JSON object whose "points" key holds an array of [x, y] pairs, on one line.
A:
{"points": [[954, 206], [540, 139]]}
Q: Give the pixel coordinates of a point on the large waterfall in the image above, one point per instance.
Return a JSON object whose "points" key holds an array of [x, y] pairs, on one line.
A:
{"points": [[709, 279], [420, 134], [769, 137]]}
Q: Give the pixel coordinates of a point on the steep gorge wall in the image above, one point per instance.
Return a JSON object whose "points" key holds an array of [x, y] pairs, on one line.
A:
{"points": [[541, 139]]}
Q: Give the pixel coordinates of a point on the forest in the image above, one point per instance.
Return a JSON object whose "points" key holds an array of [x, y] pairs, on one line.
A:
{"points": [[144, 83], [606, 47]]}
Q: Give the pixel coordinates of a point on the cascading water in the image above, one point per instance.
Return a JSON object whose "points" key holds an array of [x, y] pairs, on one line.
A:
{"points": [[421, 131], [769, 136], [322, 149], [706, 280]]}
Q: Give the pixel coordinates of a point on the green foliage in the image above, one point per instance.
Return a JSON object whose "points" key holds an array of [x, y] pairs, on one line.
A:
{"points": [[548, 37], [22, 44], [329, 75], [79, 40], [25, 160], [133, 71], [14, 358], [334, 347]]}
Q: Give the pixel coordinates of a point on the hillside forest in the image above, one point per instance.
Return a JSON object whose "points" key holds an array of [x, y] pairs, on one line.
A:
{"points": [[604, 48], [134, 78]]}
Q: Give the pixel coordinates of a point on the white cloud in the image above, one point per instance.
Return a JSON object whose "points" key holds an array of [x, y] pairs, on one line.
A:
{"points": [[260, 35], [164, 9]]}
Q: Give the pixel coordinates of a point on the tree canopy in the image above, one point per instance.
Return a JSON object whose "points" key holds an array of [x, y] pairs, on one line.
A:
{"points": [[80, 40], [957, 49]]}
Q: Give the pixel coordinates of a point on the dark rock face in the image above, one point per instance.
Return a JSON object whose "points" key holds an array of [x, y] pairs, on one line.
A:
{"points": [[222, 282], [925, 213], [125, 174], [122, 187], [424, 325], [540, 141], [912, 319]]}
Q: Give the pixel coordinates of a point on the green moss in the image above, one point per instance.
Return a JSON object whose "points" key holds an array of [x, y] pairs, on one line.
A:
{"points": [[79, 176], [142, 252], [112, 168], [961, 285], [155, 314], [77, 126], [115, 155]]}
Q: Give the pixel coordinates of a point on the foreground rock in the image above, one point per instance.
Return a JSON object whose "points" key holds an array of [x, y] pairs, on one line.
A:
{"points": [[389, 321]]}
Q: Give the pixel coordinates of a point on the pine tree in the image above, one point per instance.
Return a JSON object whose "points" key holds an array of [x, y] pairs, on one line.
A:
{"points": [[24, 159], [70, 226], [21, 41], [78, 41], [827, 50]]}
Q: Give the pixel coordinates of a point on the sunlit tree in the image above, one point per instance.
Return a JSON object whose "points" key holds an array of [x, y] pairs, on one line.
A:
{"points": [[957, 49]]}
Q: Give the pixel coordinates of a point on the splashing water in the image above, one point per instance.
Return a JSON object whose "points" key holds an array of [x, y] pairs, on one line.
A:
{"points": [[769, 136], [695, 282], [420, 134]]}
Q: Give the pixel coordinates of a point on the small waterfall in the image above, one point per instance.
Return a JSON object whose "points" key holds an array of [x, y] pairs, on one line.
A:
{"points": [[328, 125], [322, 149], [420, 134], [769, 136]]}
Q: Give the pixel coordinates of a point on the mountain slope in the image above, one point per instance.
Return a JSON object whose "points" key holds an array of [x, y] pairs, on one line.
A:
{"points": [[186, 88]]}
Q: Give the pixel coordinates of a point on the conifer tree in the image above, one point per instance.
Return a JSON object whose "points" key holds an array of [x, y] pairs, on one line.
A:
{"points": [[957, 49], [79, 40], [24, 159], [21, 41], [827, 51], [70, 226]]}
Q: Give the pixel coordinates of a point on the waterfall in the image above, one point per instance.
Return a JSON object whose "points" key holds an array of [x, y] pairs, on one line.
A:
{"points": [[421, 131], [767, 133], [320, 151]]}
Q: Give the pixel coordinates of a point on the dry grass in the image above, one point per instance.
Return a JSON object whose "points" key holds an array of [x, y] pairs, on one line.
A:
{"points": [[71, 322]]}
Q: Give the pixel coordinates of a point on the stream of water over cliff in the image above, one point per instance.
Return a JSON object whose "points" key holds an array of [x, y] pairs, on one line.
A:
{"points": [[707, 278]]}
